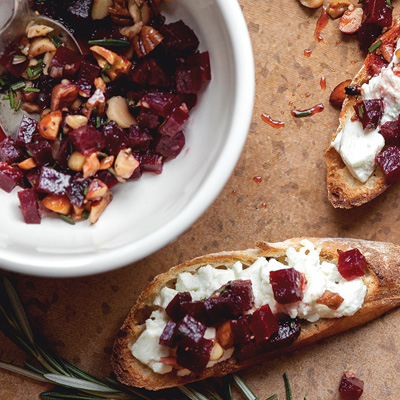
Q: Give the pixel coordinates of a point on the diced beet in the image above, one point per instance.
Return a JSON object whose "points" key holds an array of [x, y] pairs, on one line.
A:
{"points": [[367, 34], [241, 329], [170, 146], [109, 179], [201, 60], [88, 72], [80, 8], [391, 132], [114, 138], [174, 122], [53, 181], [351, 387], [9, 177], [40, 151], [161, 102], [174, 310], [189, 331], [29, 206], [45, 84], [76, 190], [179, 38], [27, 128], [188, 79], [152, 162], [287, 285], [148, 119], [33, 178], [138, 138], [389, 161], [369, 112], [195, 358], [64, 152], [2, 134], [378, 12], [263, 324], [197, 310], [149, 72], [353, 90], [65, 63], [168, 336], [8, 59], [9, 151], [351, 264], [289, 331], [86, 139]]}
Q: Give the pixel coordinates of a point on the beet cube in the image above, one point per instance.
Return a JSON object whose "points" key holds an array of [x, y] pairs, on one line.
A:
{"points": [[389, 161], [188, 79], [110, 180], [40, 151], [263, 324], [161, 102], [168, 336], [138, 138], [351, 264], [289, 330], [64, 152], [53, 181], [148, 119], [287, 285], [27, 128], [391, 132], [189, 331], [33, 178], [76, 190], [201, 60], [29, 206], [174, 122], [86, 139], [65, 63], [9, 151], [9, 177], [351, 387], [197, 310], [195, 358], [2, 134], [369, 112], [241, 329], [114, 138], [170, 146], [7, 60], [152, 162], [174, 308], [88, 72], [179, 38], [149, 72], [378, 12]]}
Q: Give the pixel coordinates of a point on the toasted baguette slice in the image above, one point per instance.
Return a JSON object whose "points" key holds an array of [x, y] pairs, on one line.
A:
{"points": [[345, 191], [382, 279]]}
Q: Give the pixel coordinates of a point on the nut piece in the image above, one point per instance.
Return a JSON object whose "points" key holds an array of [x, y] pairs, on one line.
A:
{"points": [[338, 94], [63, 95], [27, 164], [49, 125], [76, 161], [224, 335], [98, 207], [91, 165], [107, 162], [131, 31], [119, 65], [146, 41], [97, 101], [351, 20], [76, 121], [38, 30], [139, 11], [118, 111], [312, 3], [100, 8], [58, 203], [40, 45], [100, 84], [125, 164], [330, 299], [336, 8], [96, 190], [216, 352]]}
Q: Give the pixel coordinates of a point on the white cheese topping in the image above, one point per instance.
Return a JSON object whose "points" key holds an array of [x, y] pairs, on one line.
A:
{"points": [[201, 284]]}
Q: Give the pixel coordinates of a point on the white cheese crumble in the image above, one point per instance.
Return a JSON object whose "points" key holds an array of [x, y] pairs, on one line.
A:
{"points": [[320, 276]]}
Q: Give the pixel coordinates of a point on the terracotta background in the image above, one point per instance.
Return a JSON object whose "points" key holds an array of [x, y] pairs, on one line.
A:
{"points": [[80, 317]]}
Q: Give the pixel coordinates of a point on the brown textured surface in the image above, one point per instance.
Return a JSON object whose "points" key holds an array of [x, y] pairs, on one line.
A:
{"points": [[81, 317]]}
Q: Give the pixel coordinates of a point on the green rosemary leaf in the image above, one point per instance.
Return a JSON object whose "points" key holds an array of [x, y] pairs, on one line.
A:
{"points": [[287, 387], [49, 359], [80, 373], [31, 89], [79, 384], [22, 371], [106, 67], [11, 98], [17, 85], [34, 368], [188, 392], [228, 387], [272, 397], [244, 388], [127, 389], [375, 46], [66, 219], [18, 105], [213, 394], [199, 395], [56, 41], [109, 42], [73, 396], [29, 72]]}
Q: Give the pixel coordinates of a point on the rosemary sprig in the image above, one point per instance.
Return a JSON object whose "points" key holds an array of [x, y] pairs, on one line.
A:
{"points": [[75, 383]]}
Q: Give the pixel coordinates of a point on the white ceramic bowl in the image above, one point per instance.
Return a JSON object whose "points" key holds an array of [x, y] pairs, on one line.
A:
{"points": [[146, 215]]}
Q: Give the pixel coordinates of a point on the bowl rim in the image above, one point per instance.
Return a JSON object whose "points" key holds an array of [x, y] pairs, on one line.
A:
{"points": [[205, 196]]}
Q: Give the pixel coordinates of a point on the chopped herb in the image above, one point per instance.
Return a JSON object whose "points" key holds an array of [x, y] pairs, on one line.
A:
{"points": [[287, 387], [11, 98], [56, 41], [18, 59], [3, 80], [85, 214], [272, 397], [18, 105], [110, 42], [85, 191], [66, 219], [29, 72], [360, 110], [6, 97], [389, 3], [31, 89], [17, 86], [98, 122], [106, 67], [375, 46], [105, 78]]}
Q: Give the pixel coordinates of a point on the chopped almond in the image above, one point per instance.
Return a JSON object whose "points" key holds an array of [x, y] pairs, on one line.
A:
{"points": [[49, 125], [351, 20], [57, 203], [331, 300], [96, 190], [224, 335], [98, 207], [29, 163], [91, 165]]}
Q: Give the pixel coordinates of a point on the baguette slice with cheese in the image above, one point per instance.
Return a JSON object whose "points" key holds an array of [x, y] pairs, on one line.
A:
{"points": [[382, 280], [344, 190]]}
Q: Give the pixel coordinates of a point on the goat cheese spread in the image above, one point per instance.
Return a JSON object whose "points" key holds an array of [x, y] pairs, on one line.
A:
{"points": [[320, 276], [357, 147]]}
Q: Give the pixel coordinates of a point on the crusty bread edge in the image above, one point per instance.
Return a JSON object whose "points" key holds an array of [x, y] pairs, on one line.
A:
{"points": [[383, 294], [345, 191]]}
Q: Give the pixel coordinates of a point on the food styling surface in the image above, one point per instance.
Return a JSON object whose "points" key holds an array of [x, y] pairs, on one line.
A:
{"points": [[277, 191]]}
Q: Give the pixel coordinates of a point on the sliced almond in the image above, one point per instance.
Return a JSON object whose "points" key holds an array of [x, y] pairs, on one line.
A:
{"points": [[125, 164], [27, 164], [38, 30], [118, 111], [98, 207], [331, 300], [49, 125], [40, 46]]}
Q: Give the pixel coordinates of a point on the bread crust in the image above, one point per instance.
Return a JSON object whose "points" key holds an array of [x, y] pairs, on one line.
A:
{"points": [[383, 293], [345, 191]]}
